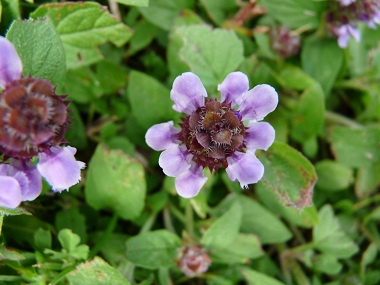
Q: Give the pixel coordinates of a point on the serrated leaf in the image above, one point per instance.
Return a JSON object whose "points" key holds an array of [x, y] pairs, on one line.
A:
{"points": [[211, 54], [329, 238], [82, 38], [115, 181], [289, 174], [153, 250], [215, 235], [96, 272], [40, 49]]}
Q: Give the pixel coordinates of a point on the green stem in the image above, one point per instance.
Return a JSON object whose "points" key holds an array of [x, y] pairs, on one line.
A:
{"points": [[1, 223], [302, 247], [149, 223], [341, 120], [177, 213], [367, 201], [168, 220], [109, 230], [189, 224], [62, 274]]}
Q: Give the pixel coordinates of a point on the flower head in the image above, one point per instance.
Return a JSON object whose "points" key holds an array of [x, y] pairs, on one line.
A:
{"points": [[213, 133], [194, 260], [33, 122], [284, 42]]}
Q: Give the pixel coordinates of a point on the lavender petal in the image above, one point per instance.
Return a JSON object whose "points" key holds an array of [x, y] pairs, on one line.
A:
{"points": [[174, 160], [188, 93], [59, 167], [161, 136], [189, 183], [244, 167], [10, 192], [233, 87], [258, 102], [259, 135], [10, 62]]}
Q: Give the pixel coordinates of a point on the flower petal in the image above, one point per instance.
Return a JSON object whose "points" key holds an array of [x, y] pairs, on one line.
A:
{"points": [[161, 136], [188, 93], [189, 183], [10, 192], [244, 167], [233, 87], [10, 62], [259, 135], [33, 188], [59, 167], [258, 102], [174, 160]]}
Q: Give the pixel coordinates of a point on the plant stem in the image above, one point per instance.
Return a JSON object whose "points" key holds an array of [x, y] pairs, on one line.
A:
{"points": [[1, 222], [367, 201], [149, 223], [168, 220], [189, 224], [341, 120]]}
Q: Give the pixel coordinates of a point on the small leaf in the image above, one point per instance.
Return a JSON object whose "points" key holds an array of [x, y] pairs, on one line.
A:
{"points": [[96, 272], [268, 227], [257, 278], [150, 100], [82, 38], [324, 54], [329, 238], [211, 54], [68, 239], [162, 12], [216, 236], [356, 147], [115, 181], [141, 3], [40, 49], [327, 263], [289, 174], [153, 250], [333, 176]]}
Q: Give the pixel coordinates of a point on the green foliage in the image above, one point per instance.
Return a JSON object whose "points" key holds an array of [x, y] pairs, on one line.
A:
{"points": [[311, 220]]}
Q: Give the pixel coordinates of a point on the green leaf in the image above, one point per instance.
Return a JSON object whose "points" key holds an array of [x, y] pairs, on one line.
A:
{"points": [[9, 254], [211, 54], [306, 217], [40, 49], [9, 11], [327, 263], [322, 59], [153, 250], [150, 100], [76, 135], [82, 38], [289, 174], [141, 3], [13, 212], [333, 176], [96, 272], [329, 238], [42, 239], [367, 180], [144, 34], [116, 181], [72, 219], [242, 248], [81, 85], [308, 116], [219, 10], [257, 278], [216, 236], [162, 12], [356, 147], [290, 76], [68, 239], [268, 227], [296, 13]]}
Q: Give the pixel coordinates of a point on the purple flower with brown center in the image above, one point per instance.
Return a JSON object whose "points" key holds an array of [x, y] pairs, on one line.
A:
{"points": [[214, 134], [33, 122]]}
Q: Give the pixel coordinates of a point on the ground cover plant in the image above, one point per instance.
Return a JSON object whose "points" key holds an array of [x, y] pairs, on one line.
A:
{"points": [[190, 142]]}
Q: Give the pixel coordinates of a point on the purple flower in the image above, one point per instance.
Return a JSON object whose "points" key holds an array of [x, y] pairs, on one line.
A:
{"points": [[344, 33], [213, 133], [33, 122], [346, 2], [194, 260]]}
